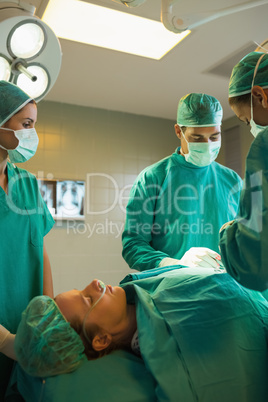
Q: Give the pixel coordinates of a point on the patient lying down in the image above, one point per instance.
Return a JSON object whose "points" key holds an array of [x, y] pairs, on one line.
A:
{"points": [[54, 336], [207, 327]]}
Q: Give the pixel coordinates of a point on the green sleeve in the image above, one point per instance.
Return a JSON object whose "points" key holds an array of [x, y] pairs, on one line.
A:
{"points": [[137, 234], [244, 244], [48, 220]]}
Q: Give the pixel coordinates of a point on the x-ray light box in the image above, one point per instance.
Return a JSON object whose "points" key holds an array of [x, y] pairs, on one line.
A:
{"points": [[64, 198]]}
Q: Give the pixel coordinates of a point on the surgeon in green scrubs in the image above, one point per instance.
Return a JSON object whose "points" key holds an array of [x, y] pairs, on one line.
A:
{"points": [[25, 269], [244, 242], [178, 205]]}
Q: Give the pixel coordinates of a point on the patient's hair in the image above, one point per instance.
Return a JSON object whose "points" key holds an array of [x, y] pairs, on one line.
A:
{"points": [[241, 99]]}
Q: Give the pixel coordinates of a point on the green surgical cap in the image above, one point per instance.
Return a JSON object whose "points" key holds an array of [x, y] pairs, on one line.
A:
{"points": [[242, 74], [199, 110], [12, 99], [45, 343]]}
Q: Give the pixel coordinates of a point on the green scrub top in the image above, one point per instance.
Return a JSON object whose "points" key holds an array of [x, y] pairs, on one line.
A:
{"points": [[24, 221], [244, 244], [202, 336], [175, 205]]}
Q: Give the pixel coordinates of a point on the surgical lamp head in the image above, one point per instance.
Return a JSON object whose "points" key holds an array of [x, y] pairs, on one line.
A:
{"points": [[30, 54]]}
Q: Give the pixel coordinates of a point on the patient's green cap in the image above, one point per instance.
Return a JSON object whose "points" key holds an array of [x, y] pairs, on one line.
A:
{"points": [[45, 343], [12, 99], [242, 74], [199, 110]]}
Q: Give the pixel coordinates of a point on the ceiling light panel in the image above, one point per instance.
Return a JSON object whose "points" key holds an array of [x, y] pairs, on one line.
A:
{"points": [[104, 27]]}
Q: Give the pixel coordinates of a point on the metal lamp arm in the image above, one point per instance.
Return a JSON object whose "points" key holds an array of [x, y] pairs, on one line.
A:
{"points": [[176, 24], [17, 4]]}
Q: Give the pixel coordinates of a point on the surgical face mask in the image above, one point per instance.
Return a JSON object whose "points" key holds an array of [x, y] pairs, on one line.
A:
{"points": [[255, 129], [103, 287], [202, 153], [28, 143]]}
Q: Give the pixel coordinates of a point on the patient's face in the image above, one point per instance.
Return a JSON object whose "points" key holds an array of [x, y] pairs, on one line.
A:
{"points": [[109, 313]]}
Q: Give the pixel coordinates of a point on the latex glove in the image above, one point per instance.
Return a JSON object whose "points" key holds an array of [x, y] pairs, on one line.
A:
{"points": [[225, 225], [168, 261], [201, 257], [7, 343]]}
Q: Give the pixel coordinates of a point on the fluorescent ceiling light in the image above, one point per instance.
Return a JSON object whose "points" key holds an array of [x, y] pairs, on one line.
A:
{"points": [[100, 26]]}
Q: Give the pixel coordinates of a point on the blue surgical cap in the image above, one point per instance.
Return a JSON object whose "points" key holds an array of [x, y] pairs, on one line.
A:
{"points": [[199, 110], [45, 343], [12, 99], [242, 74]]}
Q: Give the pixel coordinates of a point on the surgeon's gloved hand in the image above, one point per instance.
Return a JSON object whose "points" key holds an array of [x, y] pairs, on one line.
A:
{"points": [[166, 262], [201, 257], [7, 343]]}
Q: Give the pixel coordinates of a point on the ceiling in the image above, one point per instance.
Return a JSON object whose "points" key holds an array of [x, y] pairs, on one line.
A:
{"points": [[101, 78]]}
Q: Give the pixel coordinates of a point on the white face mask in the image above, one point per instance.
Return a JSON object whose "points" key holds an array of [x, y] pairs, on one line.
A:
{"points": [[255, 129], [28, 143], [202, 153]]}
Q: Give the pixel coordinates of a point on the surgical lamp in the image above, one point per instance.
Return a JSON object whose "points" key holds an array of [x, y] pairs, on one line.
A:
{"points": [[30, 53], [178, 22]]}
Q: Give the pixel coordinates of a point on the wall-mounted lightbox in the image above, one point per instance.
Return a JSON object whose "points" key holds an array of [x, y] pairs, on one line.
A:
{"points": [[64, 198]]}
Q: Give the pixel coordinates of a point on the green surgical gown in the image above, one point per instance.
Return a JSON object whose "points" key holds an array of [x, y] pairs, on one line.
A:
{"points": [[202, 336], [175, 205], [24, 221], [244, 244]]}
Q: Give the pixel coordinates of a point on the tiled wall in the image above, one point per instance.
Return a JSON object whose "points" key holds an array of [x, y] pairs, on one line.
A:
{"points": [[107, 150]]}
